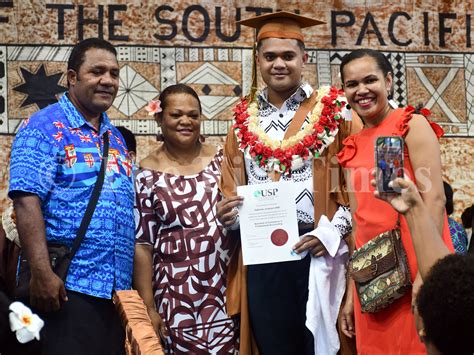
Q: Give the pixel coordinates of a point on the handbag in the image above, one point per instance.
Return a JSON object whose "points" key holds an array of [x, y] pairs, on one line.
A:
{"points": [[60, 255], [380, 271]]}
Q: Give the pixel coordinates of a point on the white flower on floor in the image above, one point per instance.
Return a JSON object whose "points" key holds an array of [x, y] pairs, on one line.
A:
{"points": [[25, 323]]}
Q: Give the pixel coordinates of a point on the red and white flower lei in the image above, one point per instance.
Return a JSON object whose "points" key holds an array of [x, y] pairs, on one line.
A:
{"points": [[289, 154]]}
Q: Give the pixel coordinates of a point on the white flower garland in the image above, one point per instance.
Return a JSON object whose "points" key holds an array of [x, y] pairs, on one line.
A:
{"points": [[247, 121]]}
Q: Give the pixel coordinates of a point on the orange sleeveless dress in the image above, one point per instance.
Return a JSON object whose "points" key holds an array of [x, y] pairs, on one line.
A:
{"points": [[392, 330]]}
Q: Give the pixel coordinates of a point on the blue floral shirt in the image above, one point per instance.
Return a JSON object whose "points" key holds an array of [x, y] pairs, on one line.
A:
{"points": [[57, 156]]}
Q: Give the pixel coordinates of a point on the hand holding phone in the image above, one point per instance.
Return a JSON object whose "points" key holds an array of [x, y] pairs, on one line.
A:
{"points": [[388, 161]]}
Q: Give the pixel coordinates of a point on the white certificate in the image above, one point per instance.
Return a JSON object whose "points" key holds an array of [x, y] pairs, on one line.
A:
{"points": [[268, 223]]}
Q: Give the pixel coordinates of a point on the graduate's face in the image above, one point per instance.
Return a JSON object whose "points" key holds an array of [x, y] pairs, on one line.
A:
{"points": [[281, 62]]}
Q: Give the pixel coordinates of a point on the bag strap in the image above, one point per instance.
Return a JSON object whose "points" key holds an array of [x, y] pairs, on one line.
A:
{"points": [[93, 200], [296, 123]]}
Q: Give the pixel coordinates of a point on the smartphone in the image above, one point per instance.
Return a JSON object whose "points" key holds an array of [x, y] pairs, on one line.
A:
{"points": [[388, 162]]}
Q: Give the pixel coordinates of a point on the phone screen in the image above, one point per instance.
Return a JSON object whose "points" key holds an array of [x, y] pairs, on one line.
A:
{"points": [[389, 161]]}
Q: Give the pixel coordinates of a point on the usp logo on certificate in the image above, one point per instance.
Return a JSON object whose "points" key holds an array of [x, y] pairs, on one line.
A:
{"points": [[268, 223]]}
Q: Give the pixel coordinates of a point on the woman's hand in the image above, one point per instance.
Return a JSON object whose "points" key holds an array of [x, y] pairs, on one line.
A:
{"points": [[227, 210], [157, 323], [346, 318]]}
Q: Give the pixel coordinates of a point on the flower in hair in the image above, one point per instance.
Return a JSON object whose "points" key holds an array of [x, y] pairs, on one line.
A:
{"points": [[153, 107]]}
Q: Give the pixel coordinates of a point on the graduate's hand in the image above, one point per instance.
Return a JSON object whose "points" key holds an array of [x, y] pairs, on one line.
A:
{"points": [[312, 244], [227, 210]]}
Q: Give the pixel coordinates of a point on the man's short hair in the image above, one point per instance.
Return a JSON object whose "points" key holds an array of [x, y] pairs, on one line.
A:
{"points": [[446, 304], [77, 55]]}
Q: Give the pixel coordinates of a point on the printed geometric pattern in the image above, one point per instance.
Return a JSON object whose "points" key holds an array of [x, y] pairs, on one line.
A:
{"points": [[212, 105], [236, 55], [247, 58], [138, 126], [437, 80], [208, 54], [222, 54], [397, 60], [469, 75], [168, 67], [193, 55], [179, 54], [443, 82], [134, 91], [324, 68], [208, 75], [335, 61], [138, 54], [39, 53], [38, 87], [335, 57], [215, 127], [312, 56], [199, 334], [438, 92], [189, 286]]}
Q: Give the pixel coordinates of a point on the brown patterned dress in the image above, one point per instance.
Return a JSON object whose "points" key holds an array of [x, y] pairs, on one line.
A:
{"points": [[177, 216]]}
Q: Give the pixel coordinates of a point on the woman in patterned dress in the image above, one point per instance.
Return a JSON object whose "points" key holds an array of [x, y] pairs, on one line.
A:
{"points": [[182, 252], [367, 79]]}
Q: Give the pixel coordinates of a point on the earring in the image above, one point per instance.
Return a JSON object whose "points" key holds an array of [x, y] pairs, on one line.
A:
{"points": [[202, 138], [160, 137]]}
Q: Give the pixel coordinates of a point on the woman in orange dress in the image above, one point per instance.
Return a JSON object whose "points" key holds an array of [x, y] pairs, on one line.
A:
{"points": [[367, 80]]}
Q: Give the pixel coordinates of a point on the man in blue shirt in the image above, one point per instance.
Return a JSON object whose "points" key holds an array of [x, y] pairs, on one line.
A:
{"points": [[55, 161]]}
